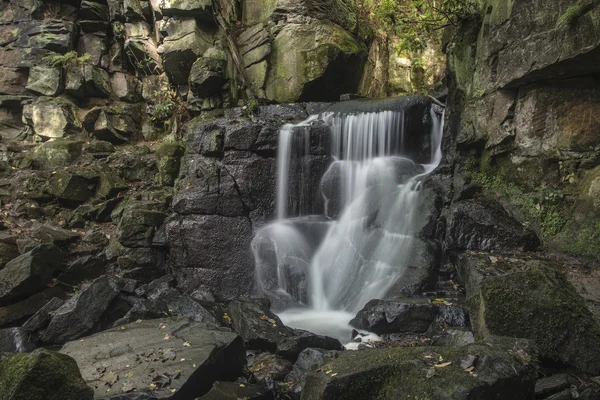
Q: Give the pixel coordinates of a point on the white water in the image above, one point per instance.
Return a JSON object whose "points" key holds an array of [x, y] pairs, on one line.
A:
{"points": [[362, 254]]}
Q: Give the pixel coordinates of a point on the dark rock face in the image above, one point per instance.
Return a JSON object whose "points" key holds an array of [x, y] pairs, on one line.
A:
{"points": [[80, 313], [234, 391], [260, 328], [15, 340], [42, 374], [409, 316], [535, 301], [29, 273], [19, 311], [486, 225], [193, 356], [402, 373]]}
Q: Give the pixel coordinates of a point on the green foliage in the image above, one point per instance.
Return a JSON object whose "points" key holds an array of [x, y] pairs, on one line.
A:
{"points": [[166, 104], [67, 60], [416, 22], [544, 206], [250, 108], [118, 31]]}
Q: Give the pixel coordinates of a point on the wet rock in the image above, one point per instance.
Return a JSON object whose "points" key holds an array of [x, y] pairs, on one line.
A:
{"points": [[58, 236], [333, 74], [57, 153], [410, 372], [192, 356], [589, 394], [73, 186], [143, 309], [29, 273], [53, 118], [207, 75], [137, 227], [14, 313], [94, 44], [15, 340], [168, 161], [260, 328], [290, 348], [116, 124], [53, 35], [268, 367], [83, 269], [126, 87], [234, 391], [564, 395], [99, 148], [484, 224], [535, 301], [309, 360], [7, 253], [97, 83], [44, 80], [93, 10], [161, 283], [42, 317], [143, 56], [43, 374], [201, 9], [452, 337], [81, 312], [223, 266], [386, 316], [182, 305], [551, 384]]}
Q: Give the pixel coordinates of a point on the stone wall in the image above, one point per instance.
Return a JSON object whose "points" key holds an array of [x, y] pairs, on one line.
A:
{"points": [[523, 89]]}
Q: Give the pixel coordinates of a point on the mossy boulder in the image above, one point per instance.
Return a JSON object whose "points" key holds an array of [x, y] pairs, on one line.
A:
{"points": [[535, 301], [317, 61], [168, 161], [53, 117], [207, 75], [57, 153], [138, 226], [42, 375], [501, 371], [44, 80], [73, 185]]}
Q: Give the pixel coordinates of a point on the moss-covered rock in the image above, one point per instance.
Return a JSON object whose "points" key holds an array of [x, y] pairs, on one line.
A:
{"points": [[57, 153], [314, 61], [535, 301], [168, 161], [411, 373], [53, 117], [42, 375]]}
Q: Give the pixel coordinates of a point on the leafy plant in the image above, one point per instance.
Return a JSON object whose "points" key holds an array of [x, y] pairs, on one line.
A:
{"points": [[166, 104], [118, 31], [67, 60], [415, 22]]}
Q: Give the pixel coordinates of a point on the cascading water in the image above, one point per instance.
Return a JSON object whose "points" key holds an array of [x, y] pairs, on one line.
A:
{"points": [[321, 270]]}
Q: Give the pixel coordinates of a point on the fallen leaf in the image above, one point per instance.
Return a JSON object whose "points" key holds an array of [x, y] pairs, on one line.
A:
{"points": [[443, 365], [187, 344], [430, 373], [334, 374]]}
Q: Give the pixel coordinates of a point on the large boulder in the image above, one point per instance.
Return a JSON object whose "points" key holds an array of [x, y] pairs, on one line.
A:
{"points": [[500, 371], [29, 273], [44, 80], [485, 224], [42, 374], [53, 118], [535, 301], [186, 358], [408, 316], [210, 258], [81, 312], [207, 75], [14, 313], [325, 62], [57, 153]]}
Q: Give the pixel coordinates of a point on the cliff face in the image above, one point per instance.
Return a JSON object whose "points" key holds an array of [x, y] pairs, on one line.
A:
{"points": [[523, 91]]}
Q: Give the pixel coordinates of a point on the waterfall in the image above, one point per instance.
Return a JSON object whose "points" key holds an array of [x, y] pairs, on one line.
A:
{"points": [[322, 269]]}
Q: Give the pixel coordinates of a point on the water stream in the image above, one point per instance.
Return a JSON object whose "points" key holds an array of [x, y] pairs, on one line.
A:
{"points": [[321, 270]]}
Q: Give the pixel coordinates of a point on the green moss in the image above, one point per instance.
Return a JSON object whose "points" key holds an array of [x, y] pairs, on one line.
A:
{"points": [[541, 206], [42, 375], [70, 59], [538, 303], [574, 12], [581, 239]]}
